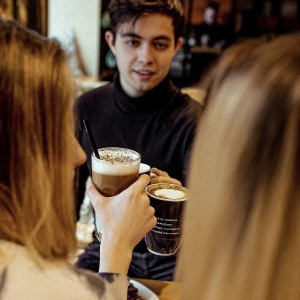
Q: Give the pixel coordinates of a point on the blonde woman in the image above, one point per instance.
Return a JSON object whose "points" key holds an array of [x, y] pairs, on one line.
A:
{"points": [[38, 156], [242, 223]]}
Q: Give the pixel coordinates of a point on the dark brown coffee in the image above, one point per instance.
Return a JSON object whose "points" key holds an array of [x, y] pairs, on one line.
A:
{"points": [[113, 184], [168, 200]]}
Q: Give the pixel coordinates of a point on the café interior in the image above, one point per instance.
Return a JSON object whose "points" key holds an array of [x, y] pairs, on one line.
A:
{"points": [[241, 18], [93, 63]]}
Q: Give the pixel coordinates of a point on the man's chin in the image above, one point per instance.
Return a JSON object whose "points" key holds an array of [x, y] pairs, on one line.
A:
{"points": [[141, 88], [148, 86]]}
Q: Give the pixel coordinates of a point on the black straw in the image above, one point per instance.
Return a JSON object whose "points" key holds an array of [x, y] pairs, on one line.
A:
{"points": [[91, 137]]}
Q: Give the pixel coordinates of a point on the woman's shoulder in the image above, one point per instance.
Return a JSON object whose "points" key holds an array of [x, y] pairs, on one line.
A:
{"points": [[45, 280]]}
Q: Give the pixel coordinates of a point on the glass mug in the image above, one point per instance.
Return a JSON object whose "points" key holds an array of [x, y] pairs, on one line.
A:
{"points": [[114, 172]]}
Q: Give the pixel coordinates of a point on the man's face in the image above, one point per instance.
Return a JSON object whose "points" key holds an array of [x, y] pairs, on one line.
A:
{"points": [[144, 52]]}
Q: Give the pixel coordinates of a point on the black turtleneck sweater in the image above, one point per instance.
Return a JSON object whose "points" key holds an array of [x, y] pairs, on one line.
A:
{"points": [[159, 125]]}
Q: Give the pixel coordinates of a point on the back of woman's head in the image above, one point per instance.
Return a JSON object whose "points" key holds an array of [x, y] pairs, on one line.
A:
{"points": [[35, 126], [244, 180]]}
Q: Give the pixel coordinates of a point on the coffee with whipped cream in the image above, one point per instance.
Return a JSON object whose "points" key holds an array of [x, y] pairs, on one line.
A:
{"points": [[168, 201], [115, 171]]}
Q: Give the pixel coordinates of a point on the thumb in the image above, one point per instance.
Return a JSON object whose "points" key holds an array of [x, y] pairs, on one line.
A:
{"points": [[95, 197]]}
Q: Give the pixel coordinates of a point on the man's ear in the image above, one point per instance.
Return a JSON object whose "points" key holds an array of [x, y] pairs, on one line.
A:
{"points": [[178, 44], [110, 39]]}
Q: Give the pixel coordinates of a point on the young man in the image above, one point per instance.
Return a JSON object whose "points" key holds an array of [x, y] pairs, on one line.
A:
{"points": [[141, 109]]}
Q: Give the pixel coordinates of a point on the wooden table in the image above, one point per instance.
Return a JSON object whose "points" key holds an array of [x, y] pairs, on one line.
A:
{"points": [[165, 290]]}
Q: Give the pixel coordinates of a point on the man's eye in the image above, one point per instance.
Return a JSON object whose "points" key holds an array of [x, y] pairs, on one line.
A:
{"points": [[161, 46], [132, 42]]}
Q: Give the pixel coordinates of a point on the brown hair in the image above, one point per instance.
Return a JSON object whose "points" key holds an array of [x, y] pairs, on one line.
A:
{"points": [[122, 11], [3, 4], [4, 9], [36, 205], [245, 179]]}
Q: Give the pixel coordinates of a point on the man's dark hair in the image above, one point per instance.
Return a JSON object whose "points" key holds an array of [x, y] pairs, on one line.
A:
{"points": [[122, 11]]}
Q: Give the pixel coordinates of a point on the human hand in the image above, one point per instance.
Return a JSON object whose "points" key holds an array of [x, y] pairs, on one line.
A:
{"points": [[124, 220], [162, 176]]}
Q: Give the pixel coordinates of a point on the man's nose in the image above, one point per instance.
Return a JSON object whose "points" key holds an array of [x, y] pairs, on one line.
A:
{"points": [[145, 55]]}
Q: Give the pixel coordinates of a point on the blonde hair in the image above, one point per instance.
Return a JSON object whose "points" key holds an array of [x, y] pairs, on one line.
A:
{"points": [[36, 204], [242, 223]]}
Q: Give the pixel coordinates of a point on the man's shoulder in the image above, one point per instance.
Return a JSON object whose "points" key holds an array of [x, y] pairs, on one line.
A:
{"points": [[97, 93], [95, 97], [189, 98], [184, 107]]}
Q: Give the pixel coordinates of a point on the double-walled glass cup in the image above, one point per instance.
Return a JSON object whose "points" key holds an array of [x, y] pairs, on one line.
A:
{"points": [[168, 201]]}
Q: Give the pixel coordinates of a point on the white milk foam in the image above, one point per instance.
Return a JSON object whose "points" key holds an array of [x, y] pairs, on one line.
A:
{"points": [[115, 168], [169, 194]]}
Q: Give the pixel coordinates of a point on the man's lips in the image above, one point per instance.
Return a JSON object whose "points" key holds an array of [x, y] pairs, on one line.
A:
{"points": [[144, 72]]}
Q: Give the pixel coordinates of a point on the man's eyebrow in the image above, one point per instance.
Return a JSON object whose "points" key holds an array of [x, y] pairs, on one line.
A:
{"points": [[131, 34], [134, 35], [162, 37]]}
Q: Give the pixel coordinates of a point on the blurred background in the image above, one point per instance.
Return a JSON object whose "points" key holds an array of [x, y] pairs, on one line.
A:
{"points": [[80, 26]]}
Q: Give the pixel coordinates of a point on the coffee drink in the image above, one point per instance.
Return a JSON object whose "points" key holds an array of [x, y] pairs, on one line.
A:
{"points": [[168, 201], [113, 184], [114, 172]]}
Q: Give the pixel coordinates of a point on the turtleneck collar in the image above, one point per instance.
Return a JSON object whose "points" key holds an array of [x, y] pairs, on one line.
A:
{"points": [[152, 101]]}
